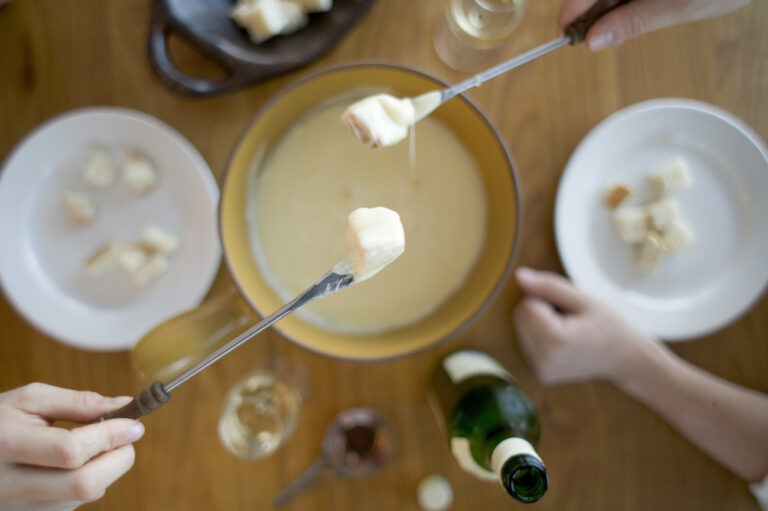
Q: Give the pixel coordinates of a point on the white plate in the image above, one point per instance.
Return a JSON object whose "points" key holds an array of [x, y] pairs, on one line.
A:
{"points": [[708, 284], [43, 251]]}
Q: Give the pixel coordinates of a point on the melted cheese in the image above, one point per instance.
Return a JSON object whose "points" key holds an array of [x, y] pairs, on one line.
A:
{"points": [[317, 174]]}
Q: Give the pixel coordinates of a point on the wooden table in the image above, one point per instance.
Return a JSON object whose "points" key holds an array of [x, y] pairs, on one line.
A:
{"points": [[603, 450]]}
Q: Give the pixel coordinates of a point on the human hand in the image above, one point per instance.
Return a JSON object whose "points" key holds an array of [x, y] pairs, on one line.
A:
{"points": [[567, 336], [641, 16], [50, 468]]}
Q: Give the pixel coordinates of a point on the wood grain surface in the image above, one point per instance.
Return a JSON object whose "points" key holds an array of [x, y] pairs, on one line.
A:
{"points": [[603, 450]]}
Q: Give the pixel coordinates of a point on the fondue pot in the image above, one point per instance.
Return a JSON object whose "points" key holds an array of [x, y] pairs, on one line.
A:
{"points": [[181, 341]]}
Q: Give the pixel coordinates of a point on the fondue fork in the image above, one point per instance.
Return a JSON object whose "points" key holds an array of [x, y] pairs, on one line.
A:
{"points": [[157, 394], [575, 33]]}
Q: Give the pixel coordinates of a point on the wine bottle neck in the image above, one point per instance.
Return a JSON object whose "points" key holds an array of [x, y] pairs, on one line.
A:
{"points": [[520, 469], [509, 448]]}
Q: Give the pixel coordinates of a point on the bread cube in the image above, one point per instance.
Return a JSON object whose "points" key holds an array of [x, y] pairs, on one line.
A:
{"points": [[80, 206], [615, 195], [140, 174], [375, 238], [650, 252], [296, 16], [662, 213], [380, 120], [151, 271], [670, 177], [630, 224], [155, 239], [315, 5], [104, 260], [677, 236], [132, 258], [100, 169], [266, 18]]}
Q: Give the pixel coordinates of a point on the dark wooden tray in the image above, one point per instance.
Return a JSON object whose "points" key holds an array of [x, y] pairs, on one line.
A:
{"points": [[207, 26]]}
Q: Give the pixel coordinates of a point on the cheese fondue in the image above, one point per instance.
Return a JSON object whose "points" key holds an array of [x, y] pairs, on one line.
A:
{"points": [[316, 174]]}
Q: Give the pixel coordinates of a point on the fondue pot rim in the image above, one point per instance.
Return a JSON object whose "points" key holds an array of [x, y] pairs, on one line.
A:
{"points": [[499, 285]]}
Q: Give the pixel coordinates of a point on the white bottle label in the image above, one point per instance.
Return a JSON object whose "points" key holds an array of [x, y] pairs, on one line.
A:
{"points": [[462, 453], [509, 448], [463, 365]]}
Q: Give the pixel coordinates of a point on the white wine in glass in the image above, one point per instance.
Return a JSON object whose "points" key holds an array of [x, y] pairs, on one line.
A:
{"points": [[471, 28], [259, 414]]}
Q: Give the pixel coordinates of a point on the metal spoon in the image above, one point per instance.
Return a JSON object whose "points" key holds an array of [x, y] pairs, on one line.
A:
{"points": [[357, 443], [157, 394]]}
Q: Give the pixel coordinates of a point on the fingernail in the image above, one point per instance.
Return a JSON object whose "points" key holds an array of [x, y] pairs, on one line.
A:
{"points": [[134, 432], [120, 401], [524, 274], [601, 41]]}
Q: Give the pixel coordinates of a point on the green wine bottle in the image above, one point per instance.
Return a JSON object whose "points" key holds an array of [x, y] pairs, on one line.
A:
{"points": [[492, 426]]}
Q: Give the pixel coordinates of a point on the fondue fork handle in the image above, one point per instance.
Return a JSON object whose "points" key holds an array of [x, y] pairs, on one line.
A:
{"points": [[577, 31], [157, 394], [145, 402]]}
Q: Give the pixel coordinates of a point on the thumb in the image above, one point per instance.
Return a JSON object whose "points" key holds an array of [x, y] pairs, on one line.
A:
{"points": [[631, 20]]}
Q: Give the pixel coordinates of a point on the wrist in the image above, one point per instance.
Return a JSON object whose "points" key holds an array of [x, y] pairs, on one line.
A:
{"points": [[643, 366]]}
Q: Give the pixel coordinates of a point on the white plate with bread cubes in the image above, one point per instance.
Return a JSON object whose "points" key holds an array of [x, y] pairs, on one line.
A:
{"points": [[108, 227], [661, 212]]}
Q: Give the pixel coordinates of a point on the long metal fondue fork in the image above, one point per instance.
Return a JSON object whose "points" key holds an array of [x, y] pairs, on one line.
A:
{"points": [[575, 33], [157, 394]]}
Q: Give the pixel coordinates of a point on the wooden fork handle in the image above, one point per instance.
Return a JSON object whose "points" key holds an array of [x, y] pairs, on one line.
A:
{"points": [[145, 402], [577, 31]]}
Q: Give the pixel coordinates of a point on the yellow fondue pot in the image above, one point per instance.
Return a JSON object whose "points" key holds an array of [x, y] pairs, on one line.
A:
{"points": [[181, 341]]}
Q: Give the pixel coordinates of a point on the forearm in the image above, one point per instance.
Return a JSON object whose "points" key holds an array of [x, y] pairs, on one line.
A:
{"points": [[728, 422]]}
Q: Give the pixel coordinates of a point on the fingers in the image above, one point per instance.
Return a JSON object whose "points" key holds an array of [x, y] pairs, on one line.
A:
{"points": [[40, 505], [631, 20], [55, 403], [535, 323], [551, 288], [535, 318], [85, 484], [61, 448]]}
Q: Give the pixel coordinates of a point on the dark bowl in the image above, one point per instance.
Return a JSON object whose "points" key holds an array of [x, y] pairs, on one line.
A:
{"points": [[206, 25]]}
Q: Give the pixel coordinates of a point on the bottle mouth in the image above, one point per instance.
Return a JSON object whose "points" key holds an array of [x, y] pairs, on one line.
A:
{"points": [[528, 480]]}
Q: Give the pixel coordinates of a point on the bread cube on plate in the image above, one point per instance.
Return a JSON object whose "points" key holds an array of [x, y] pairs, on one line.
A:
{"points": [[266, 18], [132, 258], [615, 195], [662, 213], [630, 224], [104, 260], [80, 206], [650, 252], [677, 236], [140, 174], [296, 15], [100, 168], [670, 177], [155, 267], [155, 239]]}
